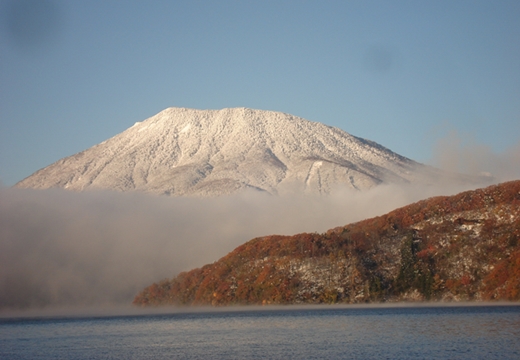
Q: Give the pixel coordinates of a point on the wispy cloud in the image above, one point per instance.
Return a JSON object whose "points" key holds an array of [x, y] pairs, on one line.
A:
{"points": [[462, 153]]}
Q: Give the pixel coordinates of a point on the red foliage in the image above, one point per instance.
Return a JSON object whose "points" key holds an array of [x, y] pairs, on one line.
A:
{"points": [[257, 271], [503, 283]]}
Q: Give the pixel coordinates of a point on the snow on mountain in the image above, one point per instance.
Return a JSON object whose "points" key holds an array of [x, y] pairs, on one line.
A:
{"points": [[183, 151]]}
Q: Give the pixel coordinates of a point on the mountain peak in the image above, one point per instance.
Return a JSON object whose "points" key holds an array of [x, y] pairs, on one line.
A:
{"points": [[182, 151]]}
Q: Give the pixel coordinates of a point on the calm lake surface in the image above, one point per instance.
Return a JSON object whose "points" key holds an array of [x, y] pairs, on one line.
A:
{"points": [[473, 332]]}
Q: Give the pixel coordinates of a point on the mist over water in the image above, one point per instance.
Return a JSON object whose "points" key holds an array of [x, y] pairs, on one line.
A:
{"points": [[61, 248]]}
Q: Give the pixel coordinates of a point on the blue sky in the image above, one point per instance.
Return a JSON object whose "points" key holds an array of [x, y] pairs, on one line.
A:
{"points": [[401, 73]]}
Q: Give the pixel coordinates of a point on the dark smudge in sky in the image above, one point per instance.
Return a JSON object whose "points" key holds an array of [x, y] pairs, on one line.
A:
{"points": [[32, 24]]}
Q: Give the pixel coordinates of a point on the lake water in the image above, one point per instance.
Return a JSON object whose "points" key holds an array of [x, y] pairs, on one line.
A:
{"points": [[472, 332]]}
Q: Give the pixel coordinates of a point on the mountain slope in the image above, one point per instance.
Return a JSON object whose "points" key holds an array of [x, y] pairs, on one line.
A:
{"points": [[462, 247], [212, 152]]}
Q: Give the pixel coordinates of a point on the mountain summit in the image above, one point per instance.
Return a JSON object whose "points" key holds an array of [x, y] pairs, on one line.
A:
{"points": [[183, 151]]}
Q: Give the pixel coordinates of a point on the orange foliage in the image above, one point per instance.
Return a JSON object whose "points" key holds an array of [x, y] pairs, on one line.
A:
{"points": [[360, 256]]}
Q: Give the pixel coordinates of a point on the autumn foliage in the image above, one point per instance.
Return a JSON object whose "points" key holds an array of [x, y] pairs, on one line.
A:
{"points": [[462, 247]]}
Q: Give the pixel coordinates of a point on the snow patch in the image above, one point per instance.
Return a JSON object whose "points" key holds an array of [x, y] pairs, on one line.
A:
{"points": [[185, 129]]}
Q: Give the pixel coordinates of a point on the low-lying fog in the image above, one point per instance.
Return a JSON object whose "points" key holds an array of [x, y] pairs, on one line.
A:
{"points": [[66, 248], [61, 248]]}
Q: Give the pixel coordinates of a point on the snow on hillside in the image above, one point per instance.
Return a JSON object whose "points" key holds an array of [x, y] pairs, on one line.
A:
{"points": [[183, 151]]}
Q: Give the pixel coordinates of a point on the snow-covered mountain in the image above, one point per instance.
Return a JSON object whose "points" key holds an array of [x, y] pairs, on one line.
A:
{"points": [[183, 151]]}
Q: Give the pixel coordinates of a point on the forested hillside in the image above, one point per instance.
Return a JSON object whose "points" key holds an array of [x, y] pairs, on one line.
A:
{"points": [[457, 248]]}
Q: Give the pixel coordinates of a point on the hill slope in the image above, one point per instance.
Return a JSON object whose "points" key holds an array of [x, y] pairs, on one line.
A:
{"points": [[462, 247], [213, 152]]}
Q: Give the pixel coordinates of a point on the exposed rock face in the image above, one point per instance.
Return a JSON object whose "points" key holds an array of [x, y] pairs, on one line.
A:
{"points": [[213, 152], [462, 247]]}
